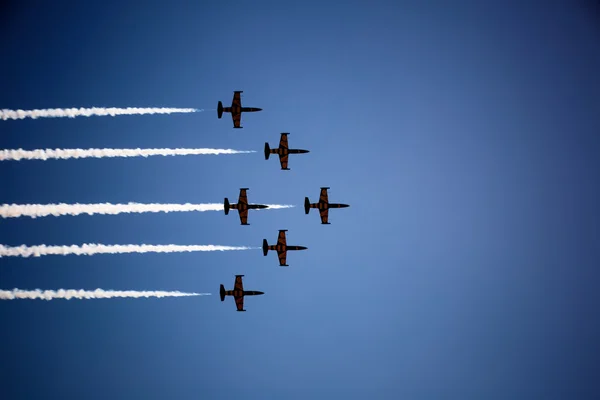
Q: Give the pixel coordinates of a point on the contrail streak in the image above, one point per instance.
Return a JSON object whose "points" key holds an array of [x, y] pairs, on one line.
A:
{"points": [[69, 294], [89, 249], [276, 207], [65, 154], [57, 210], [88, 112]]}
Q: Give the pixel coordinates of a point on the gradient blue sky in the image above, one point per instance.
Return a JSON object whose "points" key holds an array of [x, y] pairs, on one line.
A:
{"points": [[464, 136]]}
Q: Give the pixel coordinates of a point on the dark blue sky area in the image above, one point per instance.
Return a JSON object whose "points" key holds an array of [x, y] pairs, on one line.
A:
{"points": [[465, 137]]}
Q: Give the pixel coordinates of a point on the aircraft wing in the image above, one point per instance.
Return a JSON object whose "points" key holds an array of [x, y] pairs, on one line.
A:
{"points": [[323, 197], [243, 216], [237, 118], [324, 215], [236, 104], [283, 142], [282, 257], [283, 160], [243, 199], [281, 239], [239, 303], [237, 100], [238, 285]]}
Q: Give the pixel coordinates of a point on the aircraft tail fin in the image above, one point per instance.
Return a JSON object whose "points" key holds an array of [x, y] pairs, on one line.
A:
{"points": [[222, 292], [227, 206], [220, 110], [267, 151], [306, 205], [265, 247]]}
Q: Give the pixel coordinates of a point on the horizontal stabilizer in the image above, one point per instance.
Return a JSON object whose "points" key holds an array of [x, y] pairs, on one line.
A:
{"points": [[220, 110], [267, 151], [306, 205], [226, 205], [265, 247], [222, 292]]}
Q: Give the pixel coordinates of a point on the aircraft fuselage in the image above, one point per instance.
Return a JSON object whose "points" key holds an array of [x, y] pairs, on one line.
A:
{"points": [[284, 151], [239, 293], [250, 109], [243, 206], [295, 248], [325, 206], [238, 110], [280, 248]]}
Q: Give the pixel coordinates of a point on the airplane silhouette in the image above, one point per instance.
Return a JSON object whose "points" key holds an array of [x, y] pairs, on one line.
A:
{"points": [[238, 293], [283, 151], [236, 109], [323, 205], [242, 206], [281, 248]]}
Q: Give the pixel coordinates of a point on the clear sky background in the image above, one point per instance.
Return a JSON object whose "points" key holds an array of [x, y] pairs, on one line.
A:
{"points": [[464, 136]]}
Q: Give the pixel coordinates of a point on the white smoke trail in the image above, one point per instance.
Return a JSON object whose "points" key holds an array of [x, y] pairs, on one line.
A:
{"points": [[57, 210], [64, 154], [277, 206], [91, 249], [69, 294], [88, 112]]}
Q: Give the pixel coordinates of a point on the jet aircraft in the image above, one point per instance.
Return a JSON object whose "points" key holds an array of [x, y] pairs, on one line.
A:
{"points": [[238, 293], [283, 151], [236, 109], [242, 206], [323, 205], [281, 248]]}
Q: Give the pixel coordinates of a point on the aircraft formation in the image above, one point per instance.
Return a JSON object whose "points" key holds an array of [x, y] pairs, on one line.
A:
{"points": [[242, 206]]}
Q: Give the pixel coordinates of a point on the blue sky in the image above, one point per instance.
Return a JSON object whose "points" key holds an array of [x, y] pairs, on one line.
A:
{"points": [[464, 137]]}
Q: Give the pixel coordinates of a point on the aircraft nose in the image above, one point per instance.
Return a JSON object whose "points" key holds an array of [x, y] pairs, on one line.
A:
{"points": [[263, 206], [344, 205], [302, 248], [259, 293]]}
